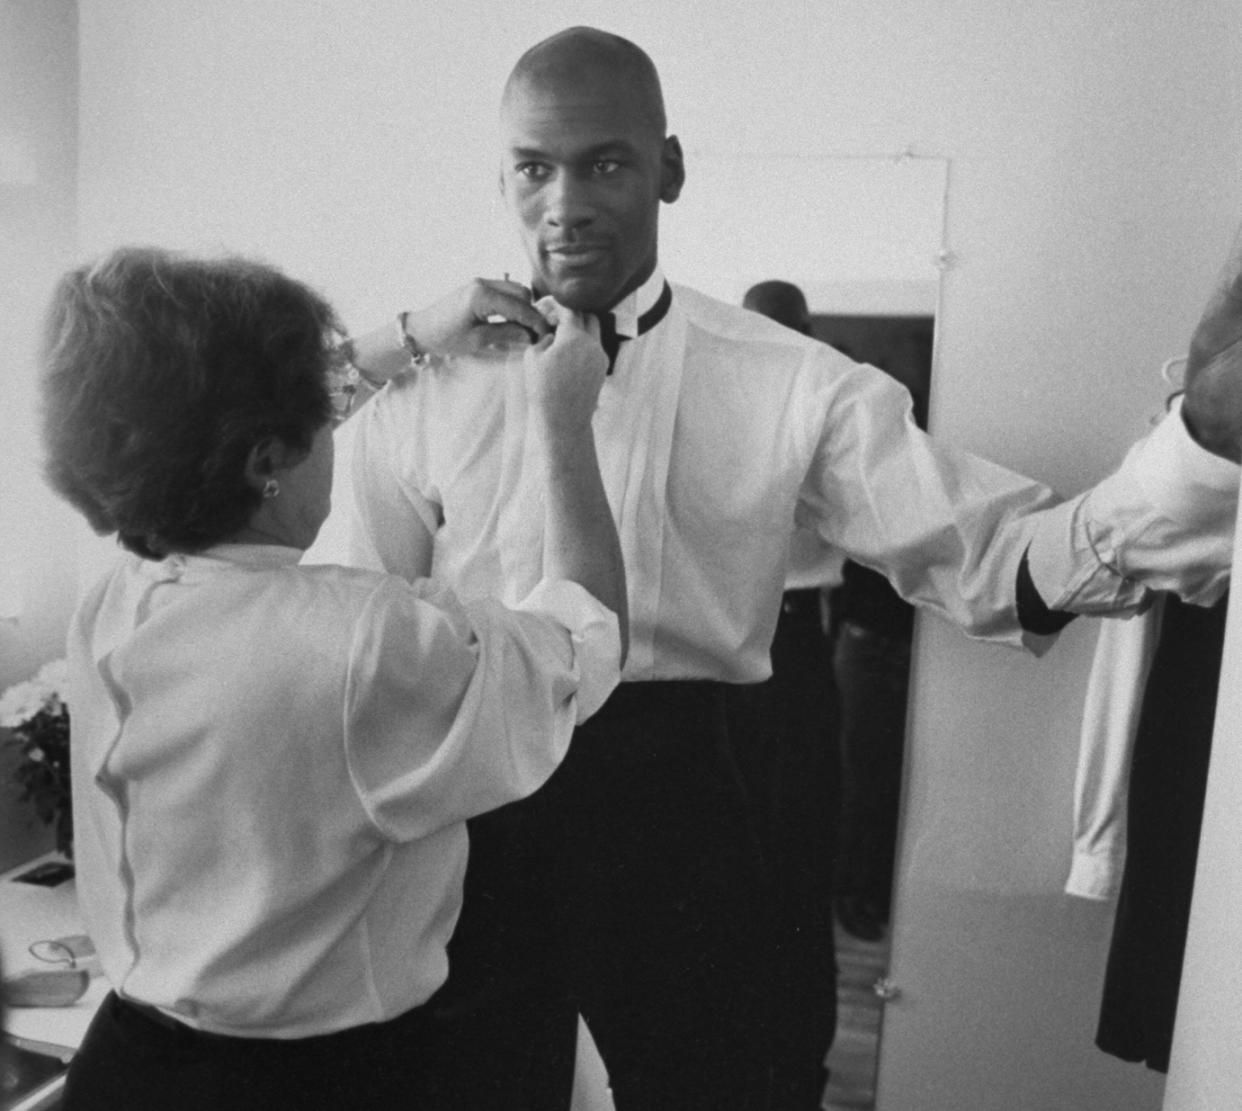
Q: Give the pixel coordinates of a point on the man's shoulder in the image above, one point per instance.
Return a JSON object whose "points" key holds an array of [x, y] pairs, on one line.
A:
{"points": [[709, 311], [731, 322], [723, 337]]}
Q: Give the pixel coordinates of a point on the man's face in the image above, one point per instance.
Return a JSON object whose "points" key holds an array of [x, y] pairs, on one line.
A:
{"points": [[584, 172]]}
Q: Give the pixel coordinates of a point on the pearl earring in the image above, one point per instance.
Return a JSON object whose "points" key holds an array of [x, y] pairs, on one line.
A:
{"points": [[271, 488]]}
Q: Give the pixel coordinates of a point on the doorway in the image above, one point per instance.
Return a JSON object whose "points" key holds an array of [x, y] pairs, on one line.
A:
{"points": [[871, 630]]}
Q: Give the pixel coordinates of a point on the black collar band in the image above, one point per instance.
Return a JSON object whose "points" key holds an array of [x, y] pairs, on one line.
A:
{"points": [[611, 341]]}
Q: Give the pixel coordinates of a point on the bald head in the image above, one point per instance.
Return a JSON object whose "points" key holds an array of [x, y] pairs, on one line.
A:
{"points": [[784, 302], [594, 62]]}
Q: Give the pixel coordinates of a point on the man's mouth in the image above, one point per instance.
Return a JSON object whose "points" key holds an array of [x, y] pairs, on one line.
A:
{"points": [[576, 254]]}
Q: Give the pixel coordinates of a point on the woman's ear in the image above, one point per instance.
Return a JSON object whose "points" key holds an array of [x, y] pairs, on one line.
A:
{"points": [[267, 459]]}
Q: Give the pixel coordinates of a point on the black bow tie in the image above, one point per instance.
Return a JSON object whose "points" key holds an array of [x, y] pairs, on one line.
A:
{"points": [[611, 341]]}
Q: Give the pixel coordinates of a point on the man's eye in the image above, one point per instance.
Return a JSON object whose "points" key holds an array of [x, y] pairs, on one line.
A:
{"points": [[532, 171], [606, 165]]}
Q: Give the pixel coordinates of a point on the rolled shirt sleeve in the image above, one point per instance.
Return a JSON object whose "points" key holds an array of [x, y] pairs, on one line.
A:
{"points": [[595, 635], [1163, 521], [453, 710]]}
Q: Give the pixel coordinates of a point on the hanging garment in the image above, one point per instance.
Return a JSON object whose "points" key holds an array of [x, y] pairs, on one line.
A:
{"points": [[1110, 717], [1168, 779]]}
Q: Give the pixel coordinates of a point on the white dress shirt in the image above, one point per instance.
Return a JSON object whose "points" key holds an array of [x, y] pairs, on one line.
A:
{"points": [[273, 765], [719, 432], [1110, 720]]}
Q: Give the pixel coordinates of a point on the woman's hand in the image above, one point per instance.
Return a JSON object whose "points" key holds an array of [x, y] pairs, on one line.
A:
{"points": [[484, 314]]}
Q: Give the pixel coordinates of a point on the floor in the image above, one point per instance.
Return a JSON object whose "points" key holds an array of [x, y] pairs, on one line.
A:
{"points": [[852, 1059]]}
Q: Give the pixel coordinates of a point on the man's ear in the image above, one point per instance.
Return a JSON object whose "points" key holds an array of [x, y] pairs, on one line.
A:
{"points": [[672, 170]]}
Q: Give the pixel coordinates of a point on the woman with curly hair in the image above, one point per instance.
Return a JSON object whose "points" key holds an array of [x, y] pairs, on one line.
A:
{"points": [[273, 763]]}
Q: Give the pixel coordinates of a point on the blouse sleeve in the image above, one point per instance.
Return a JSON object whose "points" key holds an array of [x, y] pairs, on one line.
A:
{"points": [[453, 710]]}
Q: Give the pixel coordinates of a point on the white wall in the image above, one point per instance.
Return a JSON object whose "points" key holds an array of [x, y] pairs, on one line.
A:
{"points": [[38, 164], [1095, 158], [1094, 190]]}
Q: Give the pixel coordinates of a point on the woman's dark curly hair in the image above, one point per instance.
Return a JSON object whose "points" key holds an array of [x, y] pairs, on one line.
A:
{"points": [[160, 373]]}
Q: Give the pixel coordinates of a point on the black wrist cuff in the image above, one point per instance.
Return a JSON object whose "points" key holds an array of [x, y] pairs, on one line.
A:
{"points": [[1033, 613]]}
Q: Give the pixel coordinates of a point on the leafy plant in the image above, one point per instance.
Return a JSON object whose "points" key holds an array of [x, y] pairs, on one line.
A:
{"points": [[36, 713]]}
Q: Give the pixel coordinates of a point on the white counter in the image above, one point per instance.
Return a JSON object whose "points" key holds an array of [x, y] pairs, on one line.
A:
{"points": [[29, 913]]}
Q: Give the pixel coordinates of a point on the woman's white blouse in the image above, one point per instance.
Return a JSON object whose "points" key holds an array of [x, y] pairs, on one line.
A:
{"points": [[273, 765]]}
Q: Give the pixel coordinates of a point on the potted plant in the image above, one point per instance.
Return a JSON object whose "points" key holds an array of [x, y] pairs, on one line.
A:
{"points": [[36, 714]]}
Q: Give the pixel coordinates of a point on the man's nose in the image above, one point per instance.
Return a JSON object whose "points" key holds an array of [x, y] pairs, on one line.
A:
{"points": [[569, 203]]}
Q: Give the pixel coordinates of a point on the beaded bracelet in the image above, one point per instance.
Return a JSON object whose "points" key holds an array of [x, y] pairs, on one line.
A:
{"points": [[346, 380], [417, 355]]}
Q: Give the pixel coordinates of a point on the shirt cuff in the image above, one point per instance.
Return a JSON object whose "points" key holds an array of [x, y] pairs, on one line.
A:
{"points": [[1186, 482], [1095, 876], [594, 632], [1164, 520]]}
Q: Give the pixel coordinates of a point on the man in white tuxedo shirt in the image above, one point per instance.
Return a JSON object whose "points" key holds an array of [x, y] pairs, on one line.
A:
{"points": [[631, 888]]}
